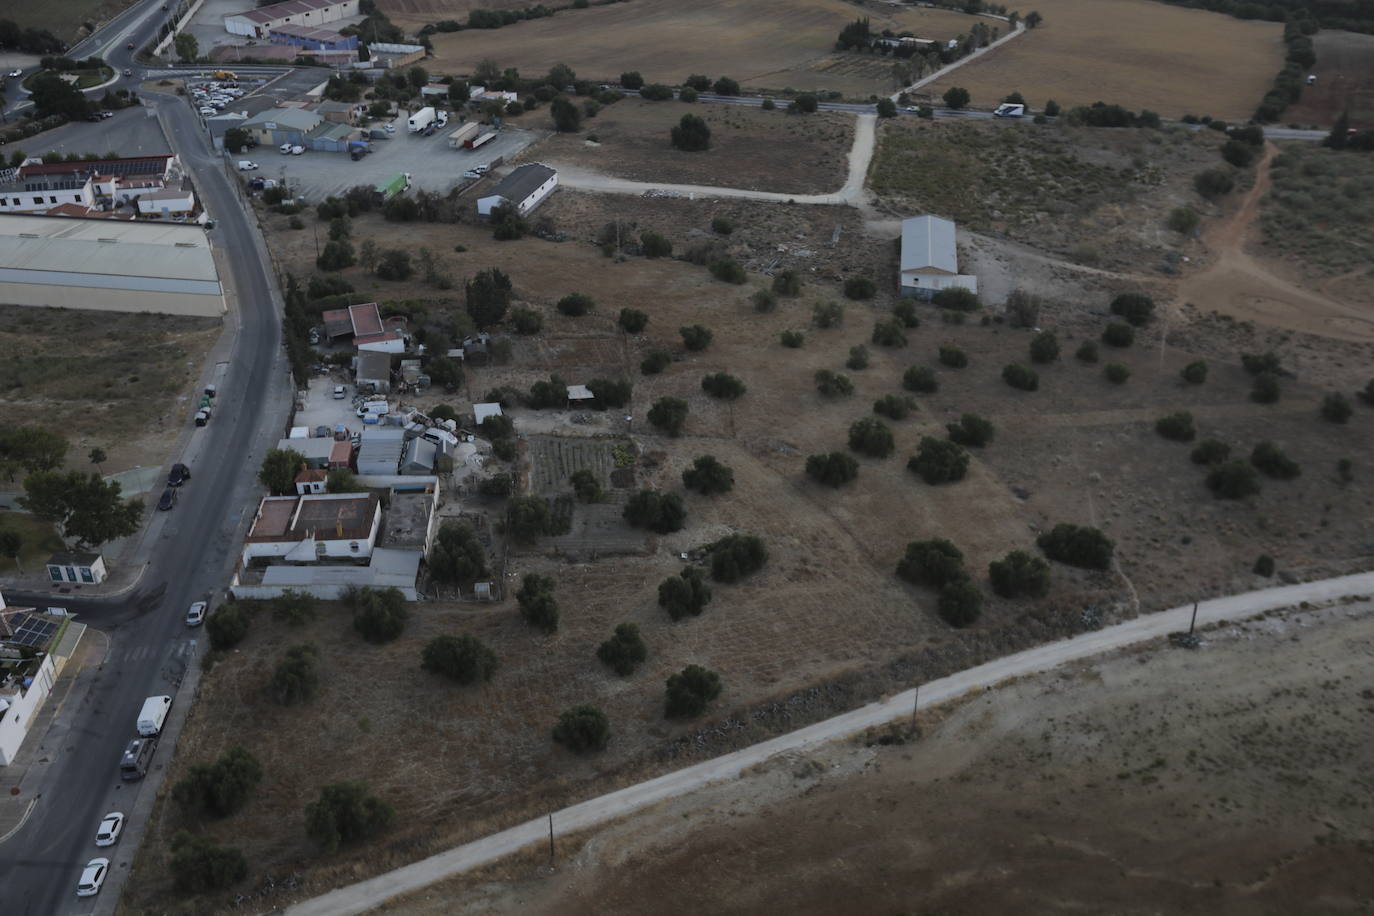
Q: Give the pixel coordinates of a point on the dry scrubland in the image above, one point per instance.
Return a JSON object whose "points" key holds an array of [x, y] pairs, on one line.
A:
{"points": [[1319, 213], [750, 148], [1227, 782], [63, 17], [764, 44], [826, 625], [1345, 79], [1136, 53], [118, 381]]}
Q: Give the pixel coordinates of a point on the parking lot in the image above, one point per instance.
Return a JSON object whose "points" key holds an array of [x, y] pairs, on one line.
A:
{"points": [[323, 409], [131, 132]]}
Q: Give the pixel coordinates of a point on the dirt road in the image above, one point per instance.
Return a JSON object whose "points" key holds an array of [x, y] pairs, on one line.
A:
{"points": [[361, 897]]}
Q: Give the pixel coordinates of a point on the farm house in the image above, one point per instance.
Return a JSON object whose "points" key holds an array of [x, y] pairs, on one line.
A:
{"points": [[930, 258]]}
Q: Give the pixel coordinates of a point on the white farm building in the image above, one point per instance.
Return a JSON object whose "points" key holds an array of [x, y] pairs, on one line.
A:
{"points": [[525, 188], [930, 258], [260, 22]]}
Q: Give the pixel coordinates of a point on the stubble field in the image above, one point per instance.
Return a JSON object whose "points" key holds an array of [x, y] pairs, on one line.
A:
{"points": [[1134, 53], [1345, 81]]}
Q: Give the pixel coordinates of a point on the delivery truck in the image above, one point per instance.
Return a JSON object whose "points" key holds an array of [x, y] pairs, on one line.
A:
{"points": [[1009, 110], [421, 119], [396, 184], [153, 714]]}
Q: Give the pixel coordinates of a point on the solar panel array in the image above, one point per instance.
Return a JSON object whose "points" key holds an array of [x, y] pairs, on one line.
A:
{"points": [[30, 630]]}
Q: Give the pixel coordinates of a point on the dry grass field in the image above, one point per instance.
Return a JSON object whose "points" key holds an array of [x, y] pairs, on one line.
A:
{"points": [[1135, 53], [1345, 80], [825, 625], [750, 148], [764, 44], [1094, 788], [63, 18]]}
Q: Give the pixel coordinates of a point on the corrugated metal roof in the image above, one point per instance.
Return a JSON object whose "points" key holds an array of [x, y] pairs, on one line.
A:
{"points": [[522, 182], [928, 243], [117, 258], [265, 14], [306, 31], [294, 118]]}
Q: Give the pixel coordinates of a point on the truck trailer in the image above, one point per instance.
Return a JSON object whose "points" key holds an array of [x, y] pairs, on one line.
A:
{"points": [[460, 137], [484, 139], [421, 119], [396, 184], [152, 715]]}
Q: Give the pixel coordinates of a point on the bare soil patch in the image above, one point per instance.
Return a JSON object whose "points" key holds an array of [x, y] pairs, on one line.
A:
{"points": [[1135, 53], [750, 148], [1345, 80], [764, 44]]}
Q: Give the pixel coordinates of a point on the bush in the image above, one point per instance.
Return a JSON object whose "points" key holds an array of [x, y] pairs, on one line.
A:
{"points": [[938, 461], [198, 865], [935, 562], [960, 603], [957, 299], [1118, 335], [1238, 154], [227, 626], [379, 615], [1183, 220], [464, 659], [294, 607], [1266, 389], [684, 594], [971, 430], [336, 256], [1264, 565], [689, 691], [632, 321], [687, 94], [576, 305], [655, 362], [220, 788], [1086, 352], [953, 357], [656, 92], [787, 283], [1366, 393], [586, 486], [860, 288], [1195, 373], [737, 555], [695, 338], [582, 729], [1019, 574], [722, 226], [920, 379], [833, 384], [723, 386], [729, 271], [1214, 183], [888, 334], [708, 476], [1233, 480], [457, 554], [1336, 408], [610, 392], [1136, 308], [834, 469], [1044, 348], [1177, 427], [624, 651], [806, 103], [1273, 462], [660, 512], [894, 406], [905, 312], [394, 264], [1261, 363], [345, 814], [537, 603], [827, 315], [872, 437], [792, 339], [956, 97], [1116, 373], [296, 676], [669, 415], [655, 245], [1210, 451], [1021, 377], [1077, 545], [764, 301], [691, 135], [527, 321]]}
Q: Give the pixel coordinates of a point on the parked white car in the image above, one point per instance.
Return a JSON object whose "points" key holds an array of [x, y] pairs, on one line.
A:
{"points": [[92, 877], [110, 827], [297, 150], [284, 149], [196, 615]]}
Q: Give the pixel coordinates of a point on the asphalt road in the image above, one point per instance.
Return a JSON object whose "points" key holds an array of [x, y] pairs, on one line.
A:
{"points": [[40, 864]]}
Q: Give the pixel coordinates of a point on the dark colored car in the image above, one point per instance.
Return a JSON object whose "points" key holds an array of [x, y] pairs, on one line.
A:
{"points": [[168, 500], [179, 475]]}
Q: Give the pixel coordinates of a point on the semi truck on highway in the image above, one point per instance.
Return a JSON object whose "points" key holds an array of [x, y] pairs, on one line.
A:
{"points": [[152, 715], [420, 120], [396, 184]]}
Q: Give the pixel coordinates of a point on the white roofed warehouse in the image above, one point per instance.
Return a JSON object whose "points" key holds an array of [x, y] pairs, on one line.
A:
{"points": [[930, 258], [259, 23], [525, 188]]}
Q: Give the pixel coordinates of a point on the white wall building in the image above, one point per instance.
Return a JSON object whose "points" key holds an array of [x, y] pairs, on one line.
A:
{"points": [[525, 188], [259, 23], [930, 258], [306, 529]]}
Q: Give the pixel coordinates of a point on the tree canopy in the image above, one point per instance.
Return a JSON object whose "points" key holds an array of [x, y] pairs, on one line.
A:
{"points": [[83, 506]]}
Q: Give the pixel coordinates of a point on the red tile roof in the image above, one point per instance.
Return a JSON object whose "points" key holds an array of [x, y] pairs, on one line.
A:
{"points": [[366, 319]]}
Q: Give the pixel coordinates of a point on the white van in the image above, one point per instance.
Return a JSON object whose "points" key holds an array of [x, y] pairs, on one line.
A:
{"points": [[297, 150], [284, 149], [373, 409], [247, 165], [152, 715]]}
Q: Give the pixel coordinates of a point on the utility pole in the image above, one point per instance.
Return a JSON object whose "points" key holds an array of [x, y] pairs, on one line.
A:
{"points": [[1193, 624], [551, 841]]}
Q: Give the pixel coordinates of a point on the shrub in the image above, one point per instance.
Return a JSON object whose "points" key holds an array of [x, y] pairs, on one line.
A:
{"points": [[792, 339], [894, 406], [1214, 183], [1233, 480], [1210, 451], [888, 333], [1238, 153], [860, 288], [1044, 347], [296, 676], [1022, 377], [1118, 335], [953, 357], [220, 788], [1336, 408], [1195, 373], [737, 555], [1266, 389], [576, 305], [1077, 545], [227, 626], [764, 300], [632, 321], [729, 271], [1116, 373], [624, 651], [1366, 393], [723, 386], [1177, 427], [721, 225], [687, 94], [582, 729], [960, 603], [938, 461], [294, 607], [498, 486], [1020, 574], [834, 469], [1264, 565], [920, 379], [527, 321], [689, 691], [695, 338], [1023, 309], [1136, 308], [1261, 363], [586, 486], [655, 362], [610, 392], [464, 659], [656, 92], [858, 358], [827, 314], [1183, 220], [336, 256], [684, 594], [1273, 462], [1086, 352], [655, 245], [935, 562], [833, 384], [905, 312], [345, 813], [957, 299], [198, 865], [660, 512], [971, 430], [394, 264], [669, 415], [708, 476], [537, 604], [872, 437], [787, 283], [379, 615]]}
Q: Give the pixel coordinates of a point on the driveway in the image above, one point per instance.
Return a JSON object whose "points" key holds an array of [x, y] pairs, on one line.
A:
{"points": [[366, 895]]}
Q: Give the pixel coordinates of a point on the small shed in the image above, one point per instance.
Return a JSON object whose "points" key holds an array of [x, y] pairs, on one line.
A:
{"points": [[311, 480], [81, 568], [580, 396], [481, 411], [419, 457]]}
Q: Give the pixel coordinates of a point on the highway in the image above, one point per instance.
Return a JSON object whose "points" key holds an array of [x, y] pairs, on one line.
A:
{"points": [[149, 643]]}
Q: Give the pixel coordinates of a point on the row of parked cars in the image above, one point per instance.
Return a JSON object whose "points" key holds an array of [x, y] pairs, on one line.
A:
{"points": [[214, 97]]}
